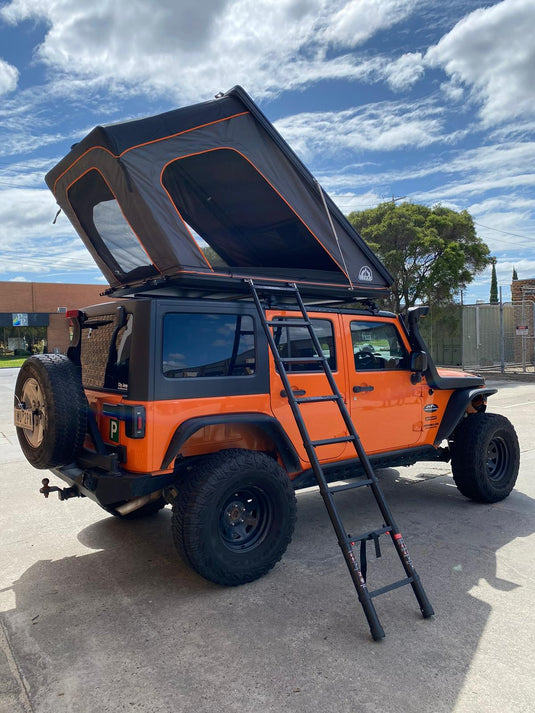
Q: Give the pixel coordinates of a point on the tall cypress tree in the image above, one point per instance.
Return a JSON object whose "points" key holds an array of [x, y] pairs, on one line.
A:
{"points": [[493, 285], [515, 275]]}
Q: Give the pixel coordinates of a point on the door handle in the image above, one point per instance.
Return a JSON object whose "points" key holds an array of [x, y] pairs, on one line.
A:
{"points": [[358, 389], [295, 392]]}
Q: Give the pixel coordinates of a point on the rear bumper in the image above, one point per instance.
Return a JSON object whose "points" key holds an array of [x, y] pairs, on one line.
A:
{"points": [[110, 488]]}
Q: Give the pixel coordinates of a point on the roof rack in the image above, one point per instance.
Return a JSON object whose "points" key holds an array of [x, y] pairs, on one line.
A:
{"points": [[230, 288]]}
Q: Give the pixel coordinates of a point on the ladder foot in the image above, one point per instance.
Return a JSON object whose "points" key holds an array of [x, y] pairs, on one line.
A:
{"points": [[377, 634]]}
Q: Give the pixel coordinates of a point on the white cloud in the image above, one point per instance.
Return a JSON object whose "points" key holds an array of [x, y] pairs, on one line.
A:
{"points": [[189, 50], [19, 278], [9, 77], [29, 243], [356, 22], [491, 51], [384, 126], [405, 71]]}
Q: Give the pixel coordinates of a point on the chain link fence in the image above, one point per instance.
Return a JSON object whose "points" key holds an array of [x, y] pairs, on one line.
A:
{"points": [[483, 336]]}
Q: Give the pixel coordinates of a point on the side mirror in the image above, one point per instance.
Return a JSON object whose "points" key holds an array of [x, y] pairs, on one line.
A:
{"points": [[418, 366]]}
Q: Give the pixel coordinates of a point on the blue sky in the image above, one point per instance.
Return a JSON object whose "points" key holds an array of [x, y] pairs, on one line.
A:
{"points": [[430, 100]]}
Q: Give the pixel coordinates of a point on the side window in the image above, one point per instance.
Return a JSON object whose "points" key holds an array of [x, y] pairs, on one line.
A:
{"points": [[296, 342], [377, 345], [202, 345]]}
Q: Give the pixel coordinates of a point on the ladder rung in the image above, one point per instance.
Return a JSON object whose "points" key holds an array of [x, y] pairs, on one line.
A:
{"points": [[389, 587], [370, 534], [328, 441], [314, 399], [289, 323], [349, 486], [302, 360], [274, 288]]}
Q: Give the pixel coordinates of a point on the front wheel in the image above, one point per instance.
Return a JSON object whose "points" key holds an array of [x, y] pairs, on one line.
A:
{"points": [[234, 516], [485, 457]]}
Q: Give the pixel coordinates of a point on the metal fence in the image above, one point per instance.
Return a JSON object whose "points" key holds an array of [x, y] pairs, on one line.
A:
{"points": [[483, 336]]}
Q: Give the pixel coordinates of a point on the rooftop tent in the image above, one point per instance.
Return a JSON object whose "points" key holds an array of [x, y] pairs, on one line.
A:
{"points": [[205, 193]]}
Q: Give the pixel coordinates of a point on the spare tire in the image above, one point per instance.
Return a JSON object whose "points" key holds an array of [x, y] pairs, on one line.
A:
{"points": [[50, 385]]}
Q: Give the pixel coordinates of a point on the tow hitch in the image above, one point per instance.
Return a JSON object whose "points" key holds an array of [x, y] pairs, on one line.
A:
{"points": [[63, 493]]}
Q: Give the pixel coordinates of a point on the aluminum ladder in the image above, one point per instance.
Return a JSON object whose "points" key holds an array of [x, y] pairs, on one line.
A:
{"points": [[346, 541]]}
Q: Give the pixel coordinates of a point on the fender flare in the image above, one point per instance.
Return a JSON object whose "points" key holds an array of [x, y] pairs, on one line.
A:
{"points": [[456, 408], [266, 423]]}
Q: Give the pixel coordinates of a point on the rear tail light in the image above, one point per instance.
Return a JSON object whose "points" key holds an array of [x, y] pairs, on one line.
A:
{"points": [[134, 418]]}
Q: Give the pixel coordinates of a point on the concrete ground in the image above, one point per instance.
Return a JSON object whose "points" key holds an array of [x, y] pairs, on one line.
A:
{"points": [[101, 615]]}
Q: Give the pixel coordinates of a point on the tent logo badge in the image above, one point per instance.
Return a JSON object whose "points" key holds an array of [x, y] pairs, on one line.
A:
{"points": [[366, 274]]}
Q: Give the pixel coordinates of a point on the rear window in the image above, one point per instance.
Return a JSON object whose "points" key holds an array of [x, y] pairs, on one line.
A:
{"points": [[296, 342], [105, 351], [203, 345]]}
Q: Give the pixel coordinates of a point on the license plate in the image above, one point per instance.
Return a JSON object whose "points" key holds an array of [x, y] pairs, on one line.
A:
{"points": [[24, 418]]}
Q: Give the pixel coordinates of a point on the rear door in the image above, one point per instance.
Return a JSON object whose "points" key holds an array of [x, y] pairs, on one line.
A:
{"points": [[386, 408], [323, 420]]}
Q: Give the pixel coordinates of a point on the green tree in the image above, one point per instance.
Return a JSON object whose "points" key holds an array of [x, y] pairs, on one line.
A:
{"points": [[432, 253], [515, 274], [493, 284]]}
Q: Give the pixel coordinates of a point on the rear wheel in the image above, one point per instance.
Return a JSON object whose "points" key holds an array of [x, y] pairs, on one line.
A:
{"points": [[50, 386], [485, 457], [234, 516]]}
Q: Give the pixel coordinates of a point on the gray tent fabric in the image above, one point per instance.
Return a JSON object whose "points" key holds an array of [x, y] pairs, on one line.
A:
{"points": [[208, 191]]}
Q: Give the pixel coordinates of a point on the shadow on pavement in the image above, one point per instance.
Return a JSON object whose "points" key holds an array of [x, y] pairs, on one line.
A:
{"points": [[128, 627]]}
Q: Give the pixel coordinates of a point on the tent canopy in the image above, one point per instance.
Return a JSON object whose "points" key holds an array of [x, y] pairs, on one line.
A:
{"points": [[208, 192]]}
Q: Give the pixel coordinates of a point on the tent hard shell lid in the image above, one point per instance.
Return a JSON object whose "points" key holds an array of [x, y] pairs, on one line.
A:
{"points": [[204, 195]]}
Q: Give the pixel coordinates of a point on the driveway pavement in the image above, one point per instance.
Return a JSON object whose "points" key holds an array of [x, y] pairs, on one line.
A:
{"points": [[101, 615]]}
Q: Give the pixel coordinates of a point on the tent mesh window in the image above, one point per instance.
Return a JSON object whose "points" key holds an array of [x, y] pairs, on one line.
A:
{"points": [[239, 215], [102, 219]]}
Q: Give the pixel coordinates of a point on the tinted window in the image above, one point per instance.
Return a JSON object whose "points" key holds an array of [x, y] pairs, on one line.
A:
{"points": [[296, 342], [201, 345], [377, 345]]}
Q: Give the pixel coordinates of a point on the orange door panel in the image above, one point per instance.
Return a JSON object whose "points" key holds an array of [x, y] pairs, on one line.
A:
{"points": [[323, 419], [386, 408]]}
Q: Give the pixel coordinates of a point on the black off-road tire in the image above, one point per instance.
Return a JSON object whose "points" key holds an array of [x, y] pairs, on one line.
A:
{"points": [[147, 510], [50, 384], [234, 516], [485, 456]]}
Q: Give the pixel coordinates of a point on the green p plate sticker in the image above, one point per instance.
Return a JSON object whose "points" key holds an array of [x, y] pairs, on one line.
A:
{"points": [[114, 430]]}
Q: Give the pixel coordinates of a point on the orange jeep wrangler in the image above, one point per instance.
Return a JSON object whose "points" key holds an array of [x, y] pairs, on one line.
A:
{"points": [[172, 393]]}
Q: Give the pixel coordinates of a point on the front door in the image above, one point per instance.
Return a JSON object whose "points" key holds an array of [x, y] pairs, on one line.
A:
{"points": [[386, 407], [323, 420]]}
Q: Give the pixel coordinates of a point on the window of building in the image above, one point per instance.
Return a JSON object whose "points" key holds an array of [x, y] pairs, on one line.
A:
{"points": [[203, 345]]}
